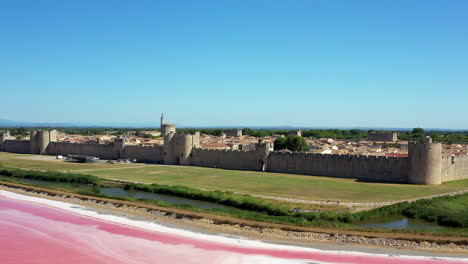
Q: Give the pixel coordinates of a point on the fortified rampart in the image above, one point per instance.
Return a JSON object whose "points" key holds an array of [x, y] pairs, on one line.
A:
{"points": [[225, 159], [152, 154], [424, 164], [102, 151], [16, 146], [372, 168], [233, 159], [454, 168]]}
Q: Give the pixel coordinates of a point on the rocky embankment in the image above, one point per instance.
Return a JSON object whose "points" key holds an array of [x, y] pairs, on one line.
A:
{"points": [[257, 230]]}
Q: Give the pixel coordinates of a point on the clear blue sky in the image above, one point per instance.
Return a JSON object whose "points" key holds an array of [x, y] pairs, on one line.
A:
{"points": [[248, 63]]}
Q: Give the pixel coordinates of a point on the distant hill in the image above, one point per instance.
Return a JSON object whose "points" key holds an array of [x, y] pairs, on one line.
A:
{"points": [[10, 123]]}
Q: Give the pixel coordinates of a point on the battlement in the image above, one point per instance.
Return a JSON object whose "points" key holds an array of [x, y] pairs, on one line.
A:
{"points": [[336, 156], [86, 144], [185, 134], [462, 158], [225, 150], [17, 140], [144, 146]]}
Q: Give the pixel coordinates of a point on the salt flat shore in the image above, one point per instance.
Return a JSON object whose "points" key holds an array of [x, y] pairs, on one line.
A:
{"points": [[237, 229]]}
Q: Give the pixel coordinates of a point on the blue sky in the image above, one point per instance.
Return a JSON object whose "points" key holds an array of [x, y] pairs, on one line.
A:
{"points": [[248, 63]]}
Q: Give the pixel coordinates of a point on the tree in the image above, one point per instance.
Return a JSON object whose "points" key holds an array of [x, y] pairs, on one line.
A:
{"points": [[417, 133], [21, 131], [296, 143], [293, 143], [280, 143]]}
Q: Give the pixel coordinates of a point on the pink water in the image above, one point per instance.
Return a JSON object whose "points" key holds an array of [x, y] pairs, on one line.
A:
{"points": [[34, 233]]}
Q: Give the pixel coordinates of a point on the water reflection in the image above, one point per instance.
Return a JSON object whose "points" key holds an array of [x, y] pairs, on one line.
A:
{"points": [[36, 181], [401, 223]]}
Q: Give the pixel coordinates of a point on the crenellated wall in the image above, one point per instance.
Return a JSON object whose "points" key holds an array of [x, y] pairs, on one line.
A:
{"points": [[16, 146], [225, 159], [372, 168], [102, 151], [152, 154], [454, 168]]}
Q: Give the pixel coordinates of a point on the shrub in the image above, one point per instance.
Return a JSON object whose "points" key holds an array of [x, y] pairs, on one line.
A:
{"points": [[50, 176]]}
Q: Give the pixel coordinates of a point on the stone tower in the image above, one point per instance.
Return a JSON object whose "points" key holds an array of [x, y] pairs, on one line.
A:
{"points": [[40, 139], [262, 150], [166, 129], [4, 136], [178, 148], [119, 145], [425, 161]]}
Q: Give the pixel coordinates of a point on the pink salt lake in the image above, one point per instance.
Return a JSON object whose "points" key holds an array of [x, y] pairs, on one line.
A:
{"points": [[36, 233]]}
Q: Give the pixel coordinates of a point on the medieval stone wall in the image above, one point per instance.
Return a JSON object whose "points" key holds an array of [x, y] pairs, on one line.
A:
{"points": [[152, 154], [372, 168], [102, 151], [225, 159], [16, 146], [454, 168]]}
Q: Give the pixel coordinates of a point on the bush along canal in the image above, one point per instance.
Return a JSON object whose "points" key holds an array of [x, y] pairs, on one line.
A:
{"points": [[162, 197]]}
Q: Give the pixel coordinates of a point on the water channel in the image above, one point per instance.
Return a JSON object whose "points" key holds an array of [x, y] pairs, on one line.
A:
{"points": [[400, 222], [115, 191], [163, 197]]}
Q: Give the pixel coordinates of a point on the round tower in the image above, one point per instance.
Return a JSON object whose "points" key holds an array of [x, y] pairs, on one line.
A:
{"points": [[166, 129], [43, 141], [40, 139], [425, 161], [33, 142], [178, 148]]}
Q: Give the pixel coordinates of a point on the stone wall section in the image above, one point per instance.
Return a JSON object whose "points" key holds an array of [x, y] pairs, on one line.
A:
{"points": [[225, 159], [454, 168], [371, 168]]}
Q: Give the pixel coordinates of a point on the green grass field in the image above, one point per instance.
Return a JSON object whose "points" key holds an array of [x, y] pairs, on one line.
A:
{"points": [[275, 184]]}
